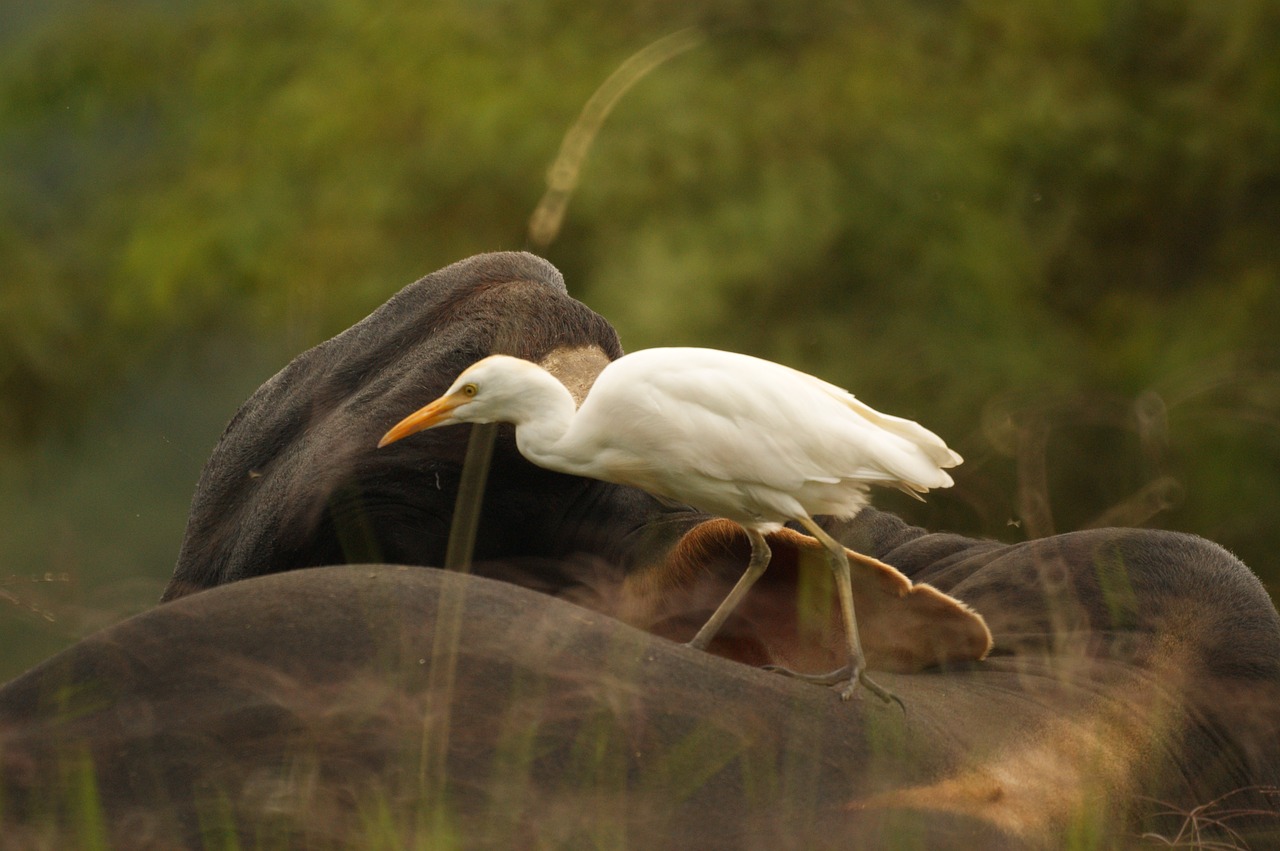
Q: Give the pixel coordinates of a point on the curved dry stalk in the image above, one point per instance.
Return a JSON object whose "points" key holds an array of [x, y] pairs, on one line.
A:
{"points": [[562, 177]]}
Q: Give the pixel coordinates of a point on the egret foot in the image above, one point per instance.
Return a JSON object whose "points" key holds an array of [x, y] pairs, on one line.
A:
{"points": [[842, 676], [873, 687], [830, 678]]}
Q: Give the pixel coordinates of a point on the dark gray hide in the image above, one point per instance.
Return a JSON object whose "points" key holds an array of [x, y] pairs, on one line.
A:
{"points": [[1134, 671], [297, 481]]}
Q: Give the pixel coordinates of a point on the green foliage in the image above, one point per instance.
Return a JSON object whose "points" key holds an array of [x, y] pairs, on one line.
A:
{"points": [[1049, 233]]}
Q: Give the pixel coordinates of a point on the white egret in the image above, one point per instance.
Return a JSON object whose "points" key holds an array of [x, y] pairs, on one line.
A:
{"points": [[736, 436]]}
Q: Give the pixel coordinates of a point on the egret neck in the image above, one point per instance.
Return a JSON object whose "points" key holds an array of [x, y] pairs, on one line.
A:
{"points": [[542, 410]]}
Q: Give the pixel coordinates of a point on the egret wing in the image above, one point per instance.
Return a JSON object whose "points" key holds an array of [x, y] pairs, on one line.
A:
{"points": [[741, 419]]}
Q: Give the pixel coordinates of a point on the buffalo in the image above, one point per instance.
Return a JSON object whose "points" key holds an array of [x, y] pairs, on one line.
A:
{"points": [[311, 682]]}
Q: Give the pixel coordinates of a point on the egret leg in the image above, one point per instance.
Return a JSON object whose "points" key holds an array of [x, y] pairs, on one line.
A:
{"points": [[760, 555], [856, 669]]}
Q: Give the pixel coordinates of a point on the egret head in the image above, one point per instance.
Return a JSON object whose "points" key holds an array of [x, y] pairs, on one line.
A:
{"points": [[490, 390]]}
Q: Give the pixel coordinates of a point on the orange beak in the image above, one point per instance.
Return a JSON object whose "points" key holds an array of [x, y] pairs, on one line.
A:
{"points": [[438, 413]]}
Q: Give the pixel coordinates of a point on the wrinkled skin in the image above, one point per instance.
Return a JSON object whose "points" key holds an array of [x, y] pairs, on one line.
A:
{"points": [[1134, 672]]}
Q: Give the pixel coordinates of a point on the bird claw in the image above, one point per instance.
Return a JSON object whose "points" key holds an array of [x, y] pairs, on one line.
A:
{"points": [[873, 687], [830, 678], [843, 676]]}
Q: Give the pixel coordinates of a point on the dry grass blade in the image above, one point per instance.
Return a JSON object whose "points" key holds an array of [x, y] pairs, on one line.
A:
{"points": [[1207, 827], [562, 177]]}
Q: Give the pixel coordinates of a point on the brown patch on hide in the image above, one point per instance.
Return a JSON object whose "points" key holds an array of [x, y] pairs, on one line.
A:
{"points": [[1074, 773], [577, 368], [1036, 789], [791, 616], [1077, 771]]}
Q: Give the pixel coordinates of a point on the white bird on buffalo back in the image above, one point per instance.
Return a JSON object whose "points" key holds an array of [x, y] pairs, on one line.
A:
{"points": [[736, 436]]}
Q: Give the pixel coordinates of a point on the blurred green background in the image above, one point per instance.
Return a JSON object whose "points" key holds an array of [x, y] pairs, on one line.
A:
{"points": [[1050, 232]]}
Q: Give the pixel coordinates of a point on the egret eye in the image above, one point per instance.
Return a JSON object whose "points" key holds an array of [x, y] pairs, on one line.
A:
{"points": [[469, 390]]}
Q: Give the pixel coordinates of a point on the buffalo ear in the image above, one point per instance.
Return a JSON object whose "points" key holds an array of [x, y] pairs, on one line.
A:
{"points": [[790, 617], [905, 627]]}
